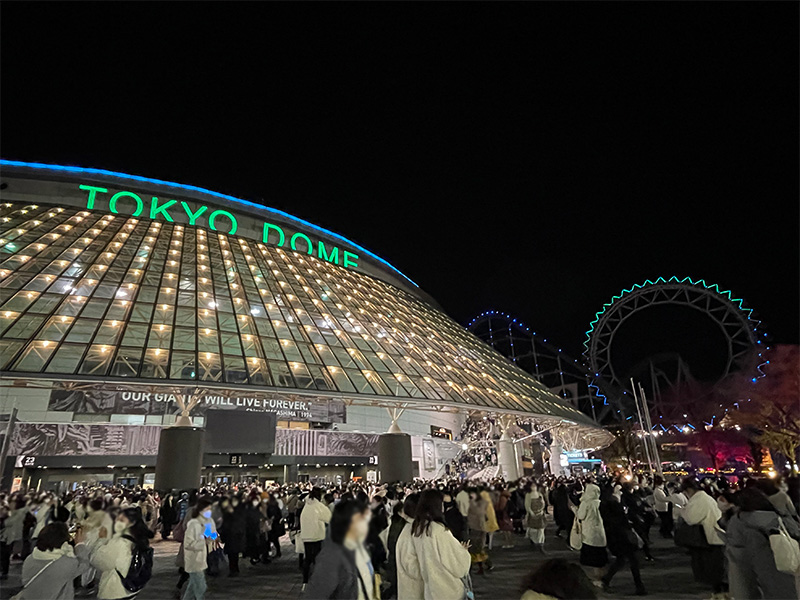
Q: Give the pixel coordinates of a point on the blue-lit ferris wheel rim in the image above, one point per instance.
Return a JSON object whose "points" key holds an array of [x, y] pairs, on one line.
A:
{"points": [[194, 188], [737, 303]]}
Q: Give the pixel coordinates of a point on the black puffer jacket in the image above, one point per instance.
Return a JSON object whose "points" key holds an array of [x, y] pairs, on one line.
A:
{"points": [[234, 529]]}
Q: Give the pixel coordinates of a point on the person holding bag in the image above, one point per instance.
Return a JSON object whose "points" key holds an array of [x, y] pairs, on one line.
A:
{"points": [[752, 572], [200, 539], [708, 562]]}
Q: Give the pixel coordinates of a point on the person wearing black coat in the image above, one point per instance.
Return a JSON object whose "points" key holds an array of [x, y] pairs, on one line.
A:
{"points": [[169, 515], [454, 520], [336, 572], [620, 540], [277, 528], [255, 542], [234, 533], [562, 515], [636, 509]]}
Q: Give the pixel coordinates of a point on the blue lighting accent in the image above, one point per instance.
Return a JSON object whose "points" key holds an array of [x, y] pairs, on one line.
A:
{"points": [[194, 188]]}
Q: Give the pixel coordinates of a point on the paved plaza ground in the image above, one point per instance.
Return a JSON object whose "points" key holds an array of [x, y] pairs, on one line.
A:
{"points": [[669, 577]]}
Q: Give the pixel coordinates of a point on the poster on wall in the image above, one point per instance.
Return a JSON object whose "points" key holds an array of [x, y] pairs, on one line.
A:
{"points": [[319, 442], [119, 400], [71, 439], [31, 440]]}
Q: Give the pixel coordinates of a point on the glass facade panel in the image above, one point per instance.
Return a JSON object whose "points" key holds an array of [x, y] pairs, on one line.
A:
{"points": [[111, 295]]}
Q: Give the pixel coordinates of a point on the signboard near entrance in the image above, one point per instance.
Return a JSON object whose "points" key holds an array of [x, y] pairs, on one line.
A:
{"points": [[441, 432]]}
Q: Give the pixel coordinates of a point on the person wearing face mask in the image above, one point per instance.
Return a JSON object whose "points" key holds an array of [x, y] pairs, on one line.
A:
{"points": [[200, 539], [113, 559], [255, 518], [233, 532], [343, 569], [96, 520]]}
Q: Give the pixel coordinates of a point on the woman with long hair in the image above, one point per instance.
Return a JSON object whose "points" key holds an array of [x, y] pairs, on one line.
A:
{"points": [[430, 561]]}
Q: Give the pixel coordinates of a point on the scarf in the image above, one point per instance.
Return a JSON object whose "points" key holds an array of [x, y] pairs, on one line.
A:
{"points": [[55, 554]]}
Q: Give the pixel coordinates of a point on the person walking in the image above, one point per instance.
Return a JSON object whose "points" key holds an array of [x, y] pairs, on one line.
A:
{"points": [[343, 569], [233, 533], [708, 562], [11, 536], [593, 534], [662, 507], [199, 539], [491, 517], [96, 520], [276, 527], [48, 573], [455, 521], [313, 519], [622, 540], [503, 518], [430, 561], [256, 529], [113, 559], [403, 517], [751, 564], [476, 520], [535, 520], [562, 514], [169, 515]]}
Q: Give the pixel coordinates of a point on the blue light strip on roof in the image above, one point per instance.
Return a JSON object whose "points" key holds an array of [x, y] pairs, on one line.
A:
{"points": [[194, 188]]}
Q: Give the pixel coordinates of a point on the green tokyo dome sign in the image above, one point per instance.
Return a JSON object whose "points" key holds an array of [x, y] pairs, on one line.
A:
{"points": [[214, 219]]}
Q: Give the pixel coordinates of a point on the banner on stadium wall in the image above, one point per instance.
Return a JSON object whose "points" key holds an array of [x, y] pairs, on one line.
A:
{"points": [[82, 439], [118, 400], [78, 439]]}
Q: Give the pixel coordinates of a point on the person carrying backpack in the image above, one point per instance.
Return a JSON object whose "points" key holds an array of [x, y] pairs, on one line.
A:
{"points": [[126, 561]]}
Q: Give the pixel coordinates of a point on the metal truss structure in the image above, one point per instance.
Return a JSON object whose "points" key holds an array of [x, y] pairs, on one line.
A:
{"points": [[592, 384], [736, 324], [563, 375]]}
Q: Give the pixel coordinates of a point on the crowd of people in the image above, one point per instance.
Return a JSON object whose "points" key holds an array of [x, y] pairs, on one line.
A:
{"points": [[407, 541]]}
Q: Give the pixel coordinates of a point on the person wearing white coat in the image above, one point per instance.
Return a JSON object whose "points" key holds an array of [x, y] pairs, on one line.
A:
{"points": [[593, 534], [113, 560], [313, 521], [708, 564], [430, 561], [200, 536]]}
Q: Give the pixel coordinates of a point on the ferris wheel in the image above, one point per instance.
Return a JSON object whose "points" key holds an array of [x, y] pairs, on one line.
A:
{"points": [[739, 328]]}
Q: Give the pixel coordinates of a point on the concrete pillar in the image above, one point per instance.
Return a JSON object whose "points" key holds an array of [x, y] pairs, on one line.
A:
{"points": [[180, 458], [290, 473], [507, 458], [394, 457], [555, 459]]}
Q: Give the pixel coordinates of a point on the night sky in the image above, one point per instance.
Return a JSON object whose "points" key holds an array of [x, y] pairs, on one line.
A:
{"points": [[531, 158]]}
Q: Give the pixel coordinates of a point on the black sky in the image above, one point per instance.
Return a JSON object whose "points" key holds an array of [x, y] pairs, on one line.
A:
{"points": [[533, 158]]}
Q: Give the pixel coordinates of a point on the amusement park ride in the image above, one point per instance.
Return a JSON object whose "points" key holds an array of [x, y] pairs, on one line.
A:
{"points": [[603, 389]]}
